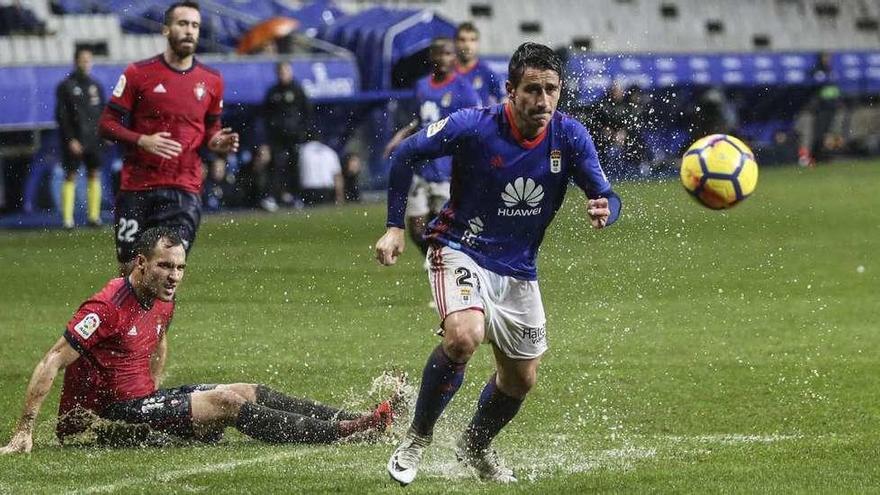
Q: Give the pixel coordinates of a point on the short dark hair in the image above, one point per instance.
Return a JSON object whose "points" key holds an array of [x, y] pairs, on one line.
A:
{"points": [[534, 55], [81, 49], [440, 41], [169, 12], [149, 239], [467, 26]]}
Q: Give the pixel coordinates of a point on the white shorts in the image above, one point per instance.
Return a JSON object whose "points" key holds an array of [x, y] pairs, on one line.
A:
{"points": [[513, 310], [426, 197]]}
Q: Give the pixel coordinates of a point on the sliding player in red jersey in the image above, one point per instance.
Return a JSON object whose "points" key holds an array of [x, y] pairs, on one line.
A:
{"points": [[113, 352]]}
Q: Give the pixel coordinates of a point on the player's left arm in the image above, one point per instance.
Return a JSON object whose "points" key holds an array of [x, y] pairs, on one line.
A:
{"points": [[603, 204], [220, 140], [157, 361], [59, 356]]}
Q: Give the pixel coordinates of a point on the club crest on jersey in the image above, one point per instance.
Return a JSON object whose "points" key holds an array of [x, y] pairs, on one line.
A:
{"points": [[478, 82], [199, 90], [555, 161], [437, 127], [88, 325], [446, 100]]}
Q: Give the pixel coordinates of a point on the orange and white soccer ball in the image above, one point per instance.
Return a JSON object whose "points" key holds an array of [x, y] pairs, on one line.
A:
{"points": [[719, 171]]}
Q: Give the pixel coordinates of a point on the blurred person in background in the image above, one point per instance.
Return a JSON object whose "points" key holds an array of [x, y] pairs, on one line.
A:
{"points": [[823, 107], [252, 180], [288, 117], [320, 174], [78, 106], [351, 173], [468, 65], [438, 95]]}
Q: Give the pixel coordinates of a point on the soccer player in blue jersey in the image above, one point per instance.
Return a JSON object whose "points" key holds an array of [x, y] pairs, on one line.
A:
{"points": [[482, 78], [511, 166], [437, 95]]}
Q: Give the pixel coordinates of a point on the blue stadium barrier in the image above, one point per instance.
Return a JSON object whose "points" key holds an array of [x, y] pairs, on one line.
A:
{"points": [[855, 72], [27, 94]]}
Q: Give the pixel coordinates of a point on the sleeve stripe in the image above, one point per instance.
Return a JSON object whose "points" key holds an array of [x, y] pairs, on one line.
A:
{"points": [[119, 108], [75, 343]]}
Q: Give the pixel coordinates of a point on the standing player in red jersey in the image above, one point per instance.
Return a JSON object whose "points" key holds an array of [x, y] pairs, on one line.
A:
{"points": [[114, 352], [173, 105]]}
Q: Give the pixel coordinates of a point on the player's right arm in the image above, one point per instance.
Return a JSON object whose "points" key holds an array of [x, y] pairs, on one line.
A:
{"points": [[441, 138], [122, 102], [59, 356]]}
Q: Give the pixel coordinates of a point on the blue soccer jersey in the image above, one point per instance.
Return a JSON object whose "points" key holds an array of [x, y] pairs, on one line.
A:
{"points": [[438, 100], [484, 81], [505, 190]]}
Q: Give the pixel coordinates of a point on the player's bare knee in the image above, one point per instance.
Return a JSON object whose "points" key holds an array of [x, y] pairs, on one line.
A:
{"points": [[460, 345], [227, 401], [517, 384], [247, 391]]}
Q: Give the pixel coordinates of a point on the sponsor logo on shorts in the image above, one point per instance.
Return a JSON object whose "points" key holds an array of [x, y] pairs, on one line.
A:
{"points": [[152, 404], [535, 335], [88, 325], [522, 198]]}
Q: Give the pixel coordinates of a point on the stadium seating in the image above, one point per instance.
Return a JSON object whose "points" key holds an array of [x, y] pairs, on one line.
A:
{"points": [[641, 26]]}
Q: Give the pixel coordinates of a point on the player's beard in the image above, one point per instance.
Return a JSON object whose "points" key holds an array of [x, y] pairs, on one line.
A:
{"points": [[181, 50]]}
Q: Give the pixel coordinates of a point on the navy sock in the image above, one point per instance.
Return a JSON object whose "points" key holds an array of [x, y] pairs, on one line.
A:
{"points": [[494, 410], [276, 400], [441, 378], [274, 426]]}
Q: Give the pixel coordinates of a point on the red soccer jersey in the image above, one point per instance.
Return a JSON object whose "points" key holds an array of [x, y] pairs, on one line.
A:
{"points": [[116, 337], [157, 97]]}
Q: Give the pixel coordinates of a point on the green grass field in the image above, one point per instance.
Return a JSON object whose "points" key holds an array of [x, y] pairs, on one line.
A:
{"points": [[691, 350]]}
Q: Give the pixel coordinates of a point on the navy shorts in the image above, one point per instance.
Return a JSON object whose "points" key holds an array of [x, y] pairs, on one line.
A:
{"points": [[168, 410], [137, 211]]}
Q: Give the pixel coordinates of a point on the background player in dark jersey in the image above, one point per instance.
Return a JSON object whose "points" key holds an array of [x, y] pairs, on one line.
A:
{"points": [[482, 78], [79, 100], [512, 164], [173, 104], [114, 352], [437, 95]]}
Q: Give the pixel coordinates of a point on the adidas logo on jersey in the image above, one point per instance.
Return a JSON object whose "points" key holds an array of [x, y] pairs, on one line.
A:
{"points": [[133, 331], [519, 193], [159, 89]]}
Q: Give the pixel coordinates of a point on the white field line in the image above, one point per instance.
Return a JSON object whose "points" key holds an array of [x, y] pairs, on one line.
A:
{"points": [[558, 458], [728, 439], [183, 473]]}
